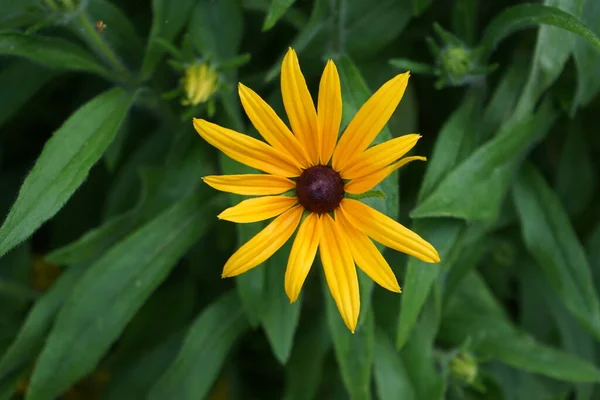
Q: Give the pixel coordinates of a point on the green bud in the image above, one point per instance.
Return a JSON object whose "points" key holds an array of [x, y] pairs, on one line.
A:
{"points": [[463, 367]]}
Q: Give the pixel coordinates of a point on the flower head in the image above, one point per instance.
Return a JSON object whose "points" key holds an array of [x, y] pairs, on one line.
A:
{"points": [[200, 82], [310, 175]]}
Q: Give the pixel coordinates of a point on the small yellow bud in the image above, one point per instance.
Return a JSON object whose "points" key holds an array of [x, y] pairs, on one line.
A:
{"points": [[200, 82], [464, 367]]}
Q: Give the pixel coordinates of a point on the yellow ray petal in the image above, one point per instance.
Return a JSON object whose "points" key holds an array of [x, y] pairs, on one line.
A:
{"points": [[247, 150], [258, 209], [340, 271], [250, 184], [299, 105], [368, 182], [264, 244], [367, 256], [388, 232], [329, 110], [271, 127], [369, 121], [302, 255], [379, 156]]}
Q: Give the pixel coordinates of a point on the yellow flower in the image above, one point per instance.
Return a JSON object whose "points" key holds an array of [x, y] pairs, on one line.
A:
{"points": [[309, 171], [200, 82]]}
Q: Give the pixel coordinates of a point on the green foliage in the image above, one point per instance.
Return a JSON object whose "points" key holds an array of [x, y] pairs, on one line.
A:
{"points": [[111, 252]]}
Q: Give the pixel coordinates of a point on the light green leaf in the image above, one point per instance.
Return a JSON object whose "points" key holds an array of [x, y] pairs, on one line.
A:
{"points": [[475, 313], [526, 15], [38, 322], [203, 352], [445, 235], [64, 164], [391, 376], [551, 240], [111, 292], [20, 81], [51, 52], [304, 370], [587, 58], [475, 189], [279, 318], [168, 19], [354, 352], [276, 11]]}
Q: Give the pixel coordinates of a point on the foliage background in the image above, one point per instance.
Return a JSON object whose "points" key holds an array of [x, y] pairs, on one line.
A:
{"points": [[111, 252]]}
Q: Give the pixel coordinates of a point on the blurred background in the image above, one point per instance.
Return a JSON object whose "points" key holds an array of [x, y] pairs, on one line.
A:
{"points": [[111, 252]]}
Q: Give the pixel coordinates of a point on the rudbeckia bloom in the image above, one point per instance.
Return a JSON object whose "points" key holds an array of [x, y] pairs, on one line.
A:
{"points": [[309, 175]]}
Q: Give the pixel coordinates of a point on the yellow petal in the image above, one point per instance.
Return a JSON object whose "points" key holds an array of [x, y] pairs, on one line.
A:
{"points": [[369, 121], [258, 209], [271, 127], [367, 256], [302, 255], [264, 244], [299, 106], [329, 110], [340, 271], [368, 182], [250, 184], [379, 156], [388, 232], [247, 150]]}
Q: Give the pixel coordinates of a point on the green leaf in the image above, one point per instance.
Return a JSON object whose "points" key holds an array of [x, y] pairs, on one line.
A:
{"points": [[168, 19], [20, 81], [592, 247], [216, 28], [576, 177], [304, 371], [415, 67], [276, 11], [37, 324], [475, 189], [551, 240], [474, 313], [112, 290], [419, 6], [587, 59], [51, 52], [354, 352], [203, 352], [355, 93], [64, 164], [391, 376], [526, 15], [279, 318], [445, 235]]}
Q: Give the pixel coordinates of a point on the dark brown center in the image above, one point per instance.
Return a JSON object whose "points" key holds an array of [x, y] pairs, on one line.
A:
{"points": [[320, 189]]}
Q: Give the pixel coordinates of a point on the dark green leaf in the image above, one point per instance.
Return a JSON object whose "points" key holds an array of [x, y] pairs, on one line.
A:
{"points": [[551, 240], [51, 52], [20, 81], [419, 6], [391, 377], [33, 332], [168, 19], [445, 235], [304, 370], [112, 290], [576, 177], [526, 15], [203, 352], [279, 318], [592, 247], [413, 66], [216, 28], [64, 164], [475, 189], [276, 11], [474, 313], [353, 351]]}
